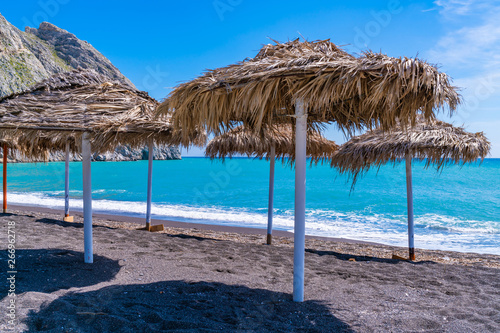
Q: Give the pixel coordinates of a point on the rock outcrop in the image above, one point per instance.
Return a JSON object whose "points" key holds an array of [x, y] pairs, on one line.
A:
{"points": [[29, 57], [32, 56], [77, 53]]}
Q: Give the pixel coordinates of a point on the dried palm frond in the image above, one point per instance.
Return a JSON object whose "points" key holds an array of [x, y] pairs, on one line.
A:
{"points": [[241, 140], [63, 107], [353, 92], [434, 141]]}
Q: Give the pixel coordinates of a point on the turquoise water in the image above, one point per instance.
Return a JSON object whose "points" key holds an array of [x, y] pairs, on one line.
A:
{"points": [[456, 209]]}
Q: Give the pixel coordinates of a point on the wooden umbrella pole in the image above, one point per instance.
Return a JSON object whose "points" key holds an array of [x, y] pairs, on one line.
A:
{"points": [[150, 185], [300, 202], [271, 196], [409, 197], [5, 152], [87, 199]]}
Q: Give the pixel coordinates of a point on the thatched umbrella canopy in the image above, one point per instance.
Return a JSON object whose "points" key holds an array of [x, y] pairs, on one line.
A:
{"points": [[241, 140], [334, 85], [273, 142], [307, 82], [75, 110], [63, 107], [434, 141]]}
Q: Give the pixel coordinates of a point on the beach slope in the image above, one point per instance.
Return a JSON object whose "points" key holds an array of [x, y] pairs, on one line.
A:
{"points": [[193, 280]]}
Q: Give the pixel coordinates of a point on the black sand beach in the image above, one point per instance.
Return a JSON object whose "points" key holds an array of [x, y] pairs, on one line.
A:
{"points": [[197, 279]]}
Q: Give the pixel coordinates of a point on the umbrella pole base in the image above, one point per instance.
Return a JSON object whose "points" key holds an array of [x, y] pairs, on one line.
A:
{"points": [[153, 228], [412, 254], [68, 218], [269, 239], [158, 227]]}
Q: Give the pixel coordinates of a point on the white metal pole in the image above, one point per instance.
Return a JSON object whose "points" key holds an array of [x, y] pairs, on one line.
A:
{"points": [[271, 196], [66, 182], [150, 184], [409, 197], [87, 200], [300, 202]]}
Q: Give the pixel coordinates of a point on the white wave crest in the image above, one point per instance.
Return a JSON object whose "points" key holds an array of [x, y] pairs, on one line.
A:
{"points": [[432, 231]]}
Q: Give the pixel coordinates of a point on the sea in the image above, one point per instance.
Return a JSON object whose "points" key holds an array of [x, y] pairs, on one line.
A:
{"points": [[456, 208]]}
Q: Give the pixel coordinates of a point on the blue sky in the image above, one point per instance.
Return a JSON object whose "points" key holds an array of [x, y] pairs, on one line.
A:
{"points": [[158, 44]]}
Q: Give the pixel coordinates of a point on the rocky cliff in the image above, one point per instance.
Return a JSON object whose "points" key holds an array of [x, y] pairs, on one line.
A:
{"points": [[76, 53], [33, 55]]}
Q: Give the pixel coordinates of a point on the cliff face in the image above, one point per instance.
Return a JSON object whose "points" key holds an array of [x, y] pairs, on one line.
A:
{"points": [[20, 68], [76, 53], [34, 55]]}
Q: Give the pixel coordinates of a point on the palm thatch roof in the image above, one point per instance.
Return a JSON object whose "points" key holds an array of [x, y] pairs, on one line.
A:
{"points": [[241, 140], [434, 141], [369, 90], [63, 107]]}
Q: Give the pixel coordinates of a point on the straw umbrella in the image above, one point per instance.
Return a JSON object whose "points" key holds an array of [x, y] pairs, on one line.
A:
{"points": [[73, 110], [276, 142], [434, 141], [307, 82]]}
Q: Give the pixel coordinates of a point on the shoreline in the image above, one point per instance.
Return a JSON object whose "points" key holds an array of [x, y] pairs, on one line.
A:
{"points": [[343, 246], [456, 223], [185, 225], [192, 279]]}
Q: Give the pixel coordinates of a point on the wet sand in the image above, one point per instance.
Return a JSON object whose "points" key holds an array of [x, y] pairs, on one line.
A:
{"points": [[192, 278]]}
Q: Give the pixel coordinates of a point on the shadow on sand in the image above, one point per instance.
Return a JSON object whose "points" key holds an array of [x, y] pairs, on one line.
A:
{"points": [[182, 306], [69, 224], [49, 270], [344, 256]]}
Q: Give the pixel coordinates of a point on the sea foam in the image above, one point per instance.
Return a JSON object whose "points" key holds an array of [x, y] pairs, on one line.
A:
{"points": [[432, 231]]}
